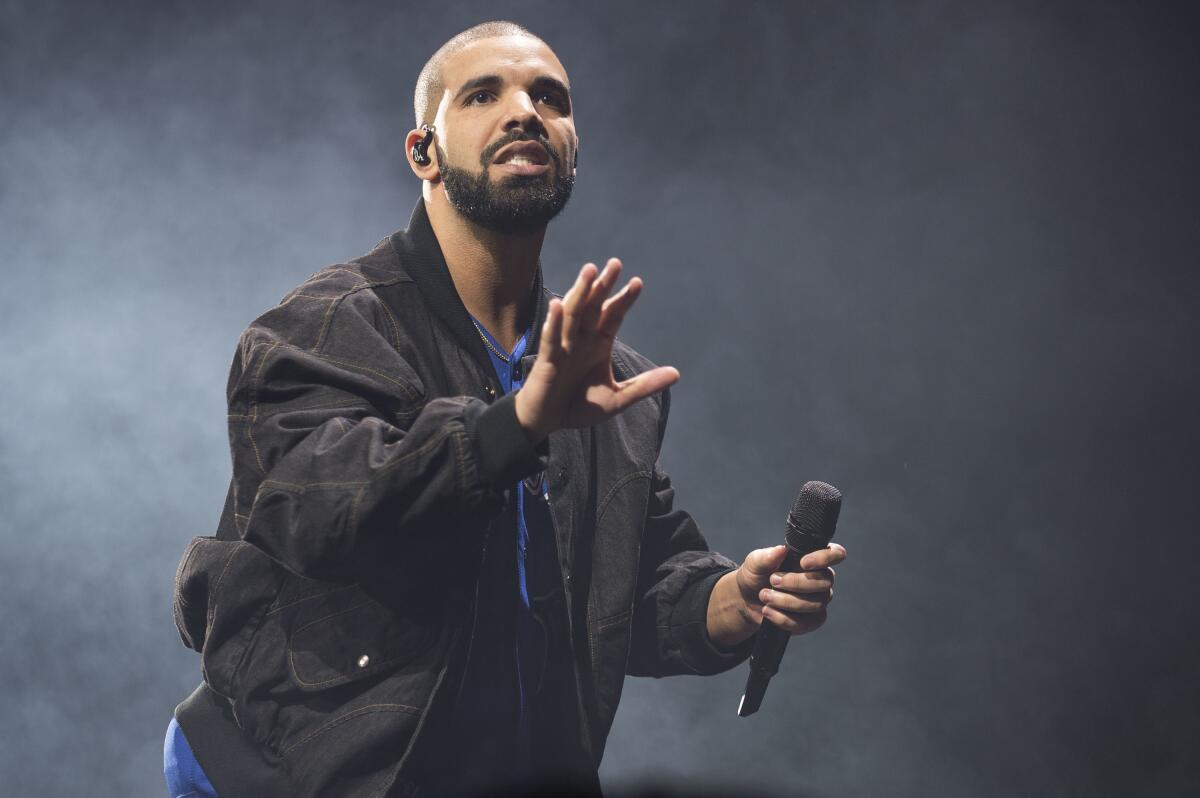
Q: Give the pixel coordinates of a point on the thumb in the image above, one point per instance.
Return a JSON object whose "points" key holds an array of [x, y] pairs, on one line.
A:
{"points": [[763, 562]]}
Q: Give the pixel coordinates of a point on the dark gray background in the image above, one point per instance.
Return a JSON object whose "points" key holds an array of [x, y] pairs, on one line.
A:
{"points": [[939, 254]]}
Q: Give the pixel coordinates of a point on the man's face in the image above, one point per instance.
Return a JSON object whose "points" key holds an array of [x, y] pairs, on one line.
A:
{"points": [[505, 119]]}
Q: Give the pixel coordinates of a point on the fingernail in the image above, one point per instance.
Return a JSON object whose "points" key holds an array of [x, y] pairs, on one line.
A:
{"points": [[764, 595], [777, 579]]}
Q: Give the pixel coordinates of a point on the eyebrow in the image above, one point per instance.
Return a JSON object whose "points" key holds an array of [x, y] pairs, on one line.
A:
{"points": [[483, 81], [543, 82]]}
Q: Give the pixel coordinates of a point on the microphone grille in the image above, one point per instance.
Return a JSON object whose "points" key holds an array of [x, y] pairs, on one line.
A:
{"points": [[815, 511]]}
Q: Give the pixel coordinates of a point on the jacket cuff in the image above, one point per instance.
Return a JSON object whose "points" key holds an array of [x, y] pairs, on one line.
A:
{"points": [[502, 448], [690, 619]]}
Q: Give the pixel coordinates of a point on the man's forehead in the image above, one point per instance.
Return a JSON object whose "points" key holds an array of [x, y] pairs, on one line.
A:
{"points": [[501, 55]]}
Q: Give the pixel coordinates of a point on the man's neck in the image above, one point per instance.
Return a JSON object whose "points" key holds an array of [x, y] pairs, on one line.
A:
{"points": [[492, 272]]}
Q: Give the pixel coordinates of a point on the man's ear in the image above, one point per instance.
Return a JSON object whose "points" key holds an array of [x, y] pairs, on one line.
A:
{"points": [[419, 141]]}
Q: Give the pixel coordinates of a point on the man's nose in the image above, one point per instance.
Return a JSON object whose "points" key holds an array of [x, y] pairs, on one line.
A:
{"points": [[521, 112]]}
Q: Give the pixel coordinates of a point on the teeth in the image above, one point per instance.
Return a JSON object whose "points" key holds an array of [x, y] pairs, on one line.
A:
{"points": [[520, 159]]}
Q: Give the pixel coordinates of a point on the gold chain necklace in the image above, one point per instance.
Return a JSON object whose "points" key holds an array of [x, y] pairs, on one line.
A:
{"points": [[488, 343]]}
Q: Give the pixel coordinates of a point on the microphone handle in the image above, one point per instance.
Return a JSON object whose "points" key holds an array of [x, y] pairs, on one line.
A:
{"points": [[771, 641]]}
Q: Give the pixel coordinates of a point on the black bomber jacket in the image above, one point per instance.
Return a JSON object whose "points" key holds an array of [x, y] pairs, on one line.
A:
{"points": [[372, 456]]}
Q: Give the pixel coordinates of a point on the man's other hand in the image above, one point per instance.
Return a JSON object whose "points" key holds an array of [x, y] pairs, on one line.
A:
{"points": [[571, 383], [757, 589], [793, 601]]}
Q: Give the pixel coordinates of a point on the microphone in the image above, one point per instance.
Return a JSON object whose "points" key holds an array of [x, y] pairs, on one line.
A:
{"points": [[810, 526]]}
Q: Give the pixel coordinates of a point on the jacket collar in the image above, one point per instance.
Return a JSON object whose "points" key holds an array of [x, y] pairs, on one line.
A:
{"points": [[421, 257]]}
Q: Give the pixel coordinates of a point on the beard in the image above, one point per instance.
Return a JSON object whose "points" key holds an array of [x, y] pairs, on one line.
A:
{"points": [[516, 205]]}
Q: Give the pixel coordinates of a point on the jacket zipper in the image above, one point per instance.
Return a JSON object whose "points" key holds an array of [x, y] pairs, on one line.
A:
{"points": [[492, 392], [487, 536]]}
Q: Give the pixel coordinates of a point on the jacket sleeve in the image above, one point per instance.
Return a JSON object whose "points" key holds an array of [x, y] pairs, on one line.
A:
{"points": [[335, 445], [676, 578]]}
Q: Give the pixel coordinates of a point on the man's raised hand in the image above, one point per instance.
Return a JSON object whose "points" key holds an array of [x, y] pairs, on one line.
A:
{"points": [[571, 383]]}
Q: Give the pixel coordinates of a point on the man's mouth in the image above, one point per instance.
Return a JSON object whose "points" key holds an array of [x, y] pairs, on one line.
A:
{"points": [[522, 154]]}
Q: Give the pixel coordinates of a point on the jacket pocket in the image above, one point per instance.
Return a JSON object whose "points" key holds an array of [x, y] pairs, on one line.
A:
{"points": [[192, 591], [354, 643], [225, 572]]}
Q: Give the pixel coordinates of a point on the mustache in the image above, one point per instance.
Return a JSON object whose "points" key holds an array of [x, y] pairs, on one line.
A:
{"points": [[489, 153]]}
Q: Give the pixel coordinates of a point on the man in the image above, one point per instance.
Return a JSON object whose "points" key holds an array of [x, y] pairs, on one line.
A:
{"points": [[447, 538]]}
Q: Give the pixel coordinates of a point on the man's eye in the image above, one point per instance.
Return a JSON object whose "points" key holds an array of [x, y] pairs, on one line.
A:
{"points": [[551, 98], [485, 95]]}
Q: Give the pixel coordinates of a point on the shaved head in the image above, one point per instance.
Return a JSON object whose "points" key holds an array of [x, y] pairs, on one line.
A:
{"points": [[430, 85]]}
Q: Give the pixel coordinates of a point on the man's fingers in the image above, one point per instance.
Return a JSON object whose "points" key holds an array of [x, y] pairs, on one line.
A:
{"points": [[578, 291], [761, 562], [600, 289], [791, 602], [645, 384], [795, 624], [615, 307], [824, 557], [574, 301], [803, 581], [551, 344]]}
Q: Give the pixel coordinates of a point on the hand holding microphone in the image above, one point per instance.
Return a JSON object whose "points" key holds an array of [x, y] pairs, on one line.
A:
{"points": [[800, 579]]}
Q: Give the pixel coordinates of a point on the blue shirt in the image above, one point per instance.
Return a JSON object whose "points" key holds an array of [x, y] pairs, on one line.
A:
{"points": [[185, 778]]}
